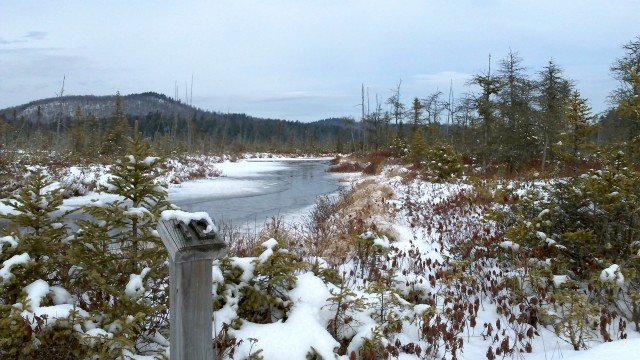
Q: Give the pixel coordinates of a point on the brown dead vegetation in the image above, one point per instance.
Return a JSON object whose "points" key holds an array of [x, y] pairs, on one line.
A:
{"points": [[334, 225], [369, 164]]}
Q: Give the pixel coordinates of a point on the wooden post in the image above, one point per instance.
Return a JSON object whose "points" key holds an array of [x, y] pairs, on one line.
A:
{"points": [[191, 254]]}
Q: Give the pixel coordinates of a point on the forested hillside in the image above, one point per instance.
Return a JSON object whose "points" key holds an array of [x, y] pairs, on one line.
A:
{"points": [[63, 107], [78, 123]]}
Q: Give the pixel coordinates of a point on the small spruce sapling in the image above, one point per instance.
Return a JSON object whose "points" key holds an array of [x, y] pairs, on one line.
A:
{"points": [[266, 299], [37, 231], [37, 247], [344, 302], [117, 243], [573, 316], [443, 162]]}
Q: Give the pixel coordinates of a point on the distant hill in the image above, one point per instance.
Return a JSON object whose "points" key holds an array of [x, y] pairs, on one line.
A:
{"points": [[134, 105], [345, 123], [184, 127]]}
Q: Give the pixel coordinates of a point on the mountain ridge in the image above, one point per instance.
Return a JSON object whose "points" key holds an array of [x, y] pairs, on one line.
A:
{"points": [[102, 106], [134, 106]]}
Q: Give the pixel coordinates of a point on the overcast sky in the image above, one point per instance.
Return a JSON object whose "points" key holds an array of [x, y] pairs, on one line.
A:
{"points": [[300, 59]]}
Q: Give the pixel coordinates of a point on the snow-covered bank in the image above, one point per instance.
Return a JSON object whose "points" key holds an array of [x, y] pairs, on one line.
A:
{"points": [[398, 267], [102, 282], [411, 299], [233, 178]]}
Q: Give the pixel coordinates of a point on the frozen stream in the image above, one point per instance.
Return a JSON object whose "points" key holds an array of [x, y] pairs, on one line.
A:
{"points": [[249, 192], [254, 192]]}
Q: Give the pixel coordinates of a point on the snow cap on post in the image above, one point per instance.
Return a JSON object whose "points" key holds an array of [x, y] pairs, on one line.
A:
{"points": [[189, 236]]}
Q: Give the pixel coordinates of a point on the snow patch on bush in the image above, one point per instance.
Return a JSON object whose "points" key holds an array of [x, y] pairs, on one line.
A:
{"points": [[510, 245], [135, 286], [612, 274], [36, 291], [8, 240], [5, 272]]}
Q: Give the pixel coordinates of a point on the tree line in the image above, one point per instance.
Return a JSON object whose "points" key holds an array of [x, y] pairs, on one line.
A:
{"points": [[512, 119], [185, 130]]}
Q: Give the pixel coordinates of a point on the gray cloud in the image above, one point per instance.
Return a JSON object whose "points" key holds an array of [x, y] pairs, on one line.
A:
{"points": [[41, 62], [29, 36], [38, 73], [36, 35], [300, 59], [298, 96]]}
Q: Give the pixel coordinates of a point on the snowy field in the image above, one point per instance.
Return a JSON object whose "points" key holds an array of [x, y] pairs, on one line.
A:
{"points": [[306, 325]]}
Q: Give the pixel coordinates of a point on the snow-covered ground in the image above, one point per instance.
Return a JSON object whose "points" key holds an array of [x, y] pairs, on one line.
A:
{"points": [[305, 327], [306, 324], [237, 178]]}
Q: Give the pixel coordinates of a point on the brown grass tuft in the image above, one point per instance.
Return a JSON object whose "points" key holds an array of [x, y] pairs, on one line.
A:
{"points": [[362, 208], [346, 167]]}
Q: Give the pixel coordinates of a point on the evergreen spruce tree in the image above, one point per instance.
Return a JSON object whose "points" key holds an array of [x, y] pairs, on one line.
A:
{"points": [[443, 162], [489, 139], [575, 141], [118, 246], [77, 133], [117, 128], [552, 94], [37, 247], [266, 298], [624, 68], [630, 107], [417, 148], [39, 232], [92, 135], [416, 114], [518, 141]]}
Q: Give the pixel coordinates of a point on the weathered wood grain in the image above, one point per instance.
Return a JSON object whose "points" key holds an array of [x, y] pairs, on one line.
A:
{"points": [[191, 308]]}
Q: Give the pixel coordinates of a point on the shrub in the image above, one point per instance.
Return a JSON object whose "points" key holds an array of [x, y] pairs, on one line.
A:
{"points": [[443, 162], [585, 229], [265, 297], [347, 167]]}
